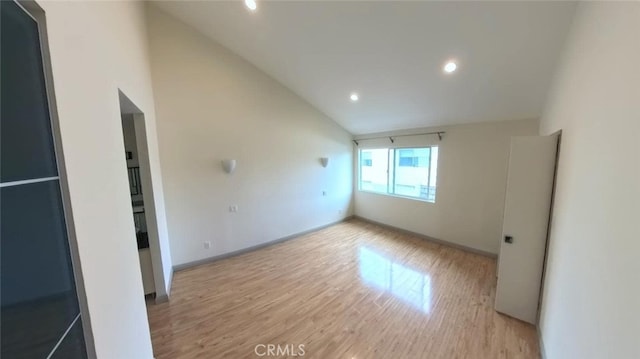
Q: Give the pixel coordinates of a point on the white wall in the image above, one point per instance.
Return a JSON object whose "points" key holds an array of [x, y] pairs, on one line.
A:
{"points": [[213, 105], [591, 303], [97, 48], [471, 182]]}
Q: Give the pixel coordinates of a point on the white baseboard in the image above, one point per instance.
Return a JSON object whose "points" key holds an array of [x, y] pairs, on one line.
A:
{"points": [[431, 239], [170, 283], [543, 352], [165, 298]]}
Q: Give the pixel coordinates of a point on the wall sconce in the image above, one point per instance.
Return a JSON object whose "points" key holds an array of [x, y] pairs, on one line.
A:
{"points": [[324, 161], [229, 165]]}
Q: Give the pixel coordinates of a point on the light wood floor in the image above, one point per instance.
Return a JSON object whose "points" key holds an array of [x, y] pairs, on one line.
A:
{"points": [[353, 290]]}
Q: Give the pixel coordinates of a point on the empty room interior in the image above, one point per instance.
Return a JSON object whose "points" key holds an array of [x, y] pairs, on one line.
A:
{"points": [[321, 179]]}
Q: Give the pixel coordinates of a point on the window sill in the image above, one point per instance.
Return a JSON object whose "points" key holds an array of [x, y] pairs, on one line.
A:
{"points": [[398, 196]]}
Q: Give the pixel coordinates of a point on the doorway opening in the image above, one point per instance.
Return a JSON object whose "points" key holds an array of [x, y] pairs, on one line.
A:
{"points": [[143, 209]]}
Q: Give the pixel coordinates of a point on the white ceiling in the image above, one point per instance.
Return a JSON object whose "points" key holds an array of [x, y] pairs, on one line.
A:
{"points": [[392, 54]]}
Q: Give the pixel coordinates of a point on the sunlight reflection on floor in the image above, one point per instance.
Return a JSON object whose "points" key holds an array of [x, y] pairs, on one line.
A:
{"points": [[406, 284]]}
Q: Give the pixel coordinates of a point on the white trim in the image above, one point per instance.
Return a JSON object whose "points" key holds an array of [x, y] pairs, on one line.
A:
{"points": [[27, 12], [63, 336], [431, 239], [36, 180], [397, 196], [543, 352]]}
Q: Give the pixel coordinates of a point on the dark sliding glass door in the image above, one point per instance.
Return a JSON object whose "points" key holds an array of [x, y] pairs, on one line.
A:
{"points": [[40, 314]]}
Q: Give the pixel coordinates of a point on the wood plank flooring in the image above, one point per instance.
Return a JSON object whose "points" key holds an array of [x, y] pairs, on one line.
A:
{"points": [[353, 290]]}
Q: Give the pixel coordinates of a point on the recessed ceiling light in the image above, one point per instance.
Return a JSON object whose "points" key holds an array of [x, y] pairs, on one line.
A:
{"points": [[450, 67], [251, 4], [354, 97]]}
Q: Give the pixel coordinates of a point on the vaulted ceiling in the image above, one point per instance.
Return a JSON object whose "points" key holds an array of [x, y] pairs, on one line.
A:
{"points": [[392, 54]]}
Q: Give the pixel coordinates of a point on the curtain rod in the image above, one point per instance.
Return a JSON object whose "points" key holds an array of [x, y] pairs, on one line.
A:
{"points": [[439, 133]]}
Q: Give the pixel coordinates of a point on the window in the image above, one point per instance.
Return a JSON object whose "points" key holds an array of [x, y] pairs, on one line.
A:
{"points": [[373, 170], [407, 172]]}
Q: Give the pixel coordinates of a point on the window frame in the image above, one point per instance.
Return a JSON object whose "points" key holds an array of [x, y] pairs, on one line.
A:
{"points": [[391, 166]]}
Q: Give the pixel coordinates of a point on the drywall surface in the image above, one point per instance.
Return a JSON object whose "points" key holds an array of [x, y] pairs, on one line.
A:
{"points": [[213, 105], [98, 48], [471, 183], [592, 289]]}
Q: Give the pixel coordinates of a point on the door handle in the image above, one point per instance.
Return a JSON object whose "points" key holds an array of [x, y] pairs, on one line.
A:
{"points": [[508, 239]]}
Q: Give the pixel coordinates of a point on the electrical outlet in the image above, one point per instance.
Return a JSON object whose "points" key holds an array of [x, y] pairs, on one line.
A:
{"points": [[233, 208], [324, 193], [207, 244]]}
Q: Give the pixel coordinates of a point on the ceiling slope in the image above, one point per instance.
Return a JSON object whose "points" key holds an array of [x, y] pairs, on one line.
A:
{"points": [[392, 53]]}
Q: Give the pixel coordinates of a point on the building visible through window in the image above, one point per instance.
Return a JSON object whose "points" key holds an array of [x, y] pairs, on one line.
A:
{"points": [[407, 172], [366, 159]]}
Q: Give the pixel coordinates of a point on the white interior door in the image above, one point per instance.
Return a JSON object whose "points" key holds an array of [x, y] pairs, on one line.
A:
{"points": [[526, 217]]}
